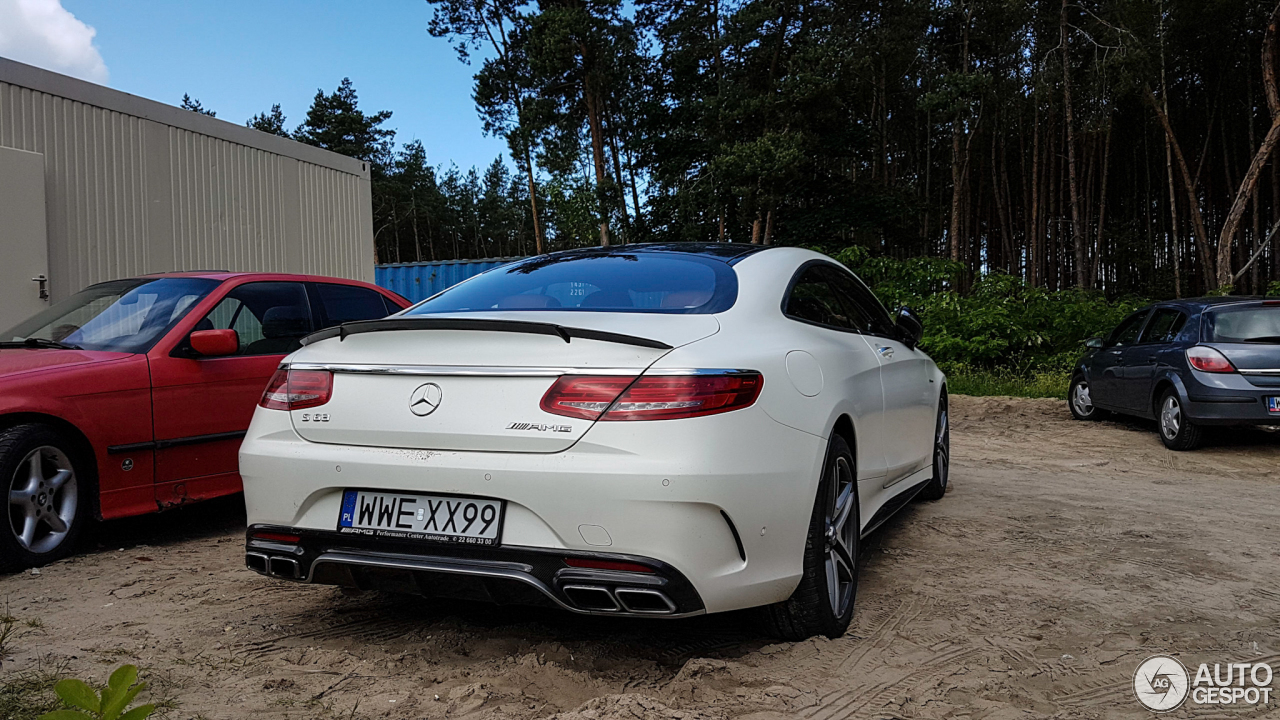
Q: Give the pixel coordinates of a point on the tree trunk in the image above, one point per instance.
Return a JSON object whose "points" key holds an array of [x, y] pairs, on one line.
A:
{"points": [[597, 151], [1077, 224], [1232, 223], [1102, 204], [533, 199], [957, 191], [1034, 258], [1197, 221]]}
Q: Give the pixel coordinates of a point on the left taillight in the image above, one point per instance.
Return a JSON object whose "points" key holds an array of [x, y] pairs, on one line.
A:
{"points": [[297, 389], [1206, 359], [652, 397]]}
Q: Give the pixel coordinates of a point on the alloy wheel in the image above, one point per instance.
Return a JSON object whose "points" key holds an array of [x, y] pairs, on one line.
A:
{"points": [[42, 499], [1081, 400], [942, 449], [1170, 418], [841, 538]]}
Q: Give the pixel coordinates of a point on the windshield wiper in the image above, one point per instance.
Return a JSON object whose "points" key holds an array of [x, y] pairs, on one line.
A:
{"points": [[33, 342], [1268, 339]]}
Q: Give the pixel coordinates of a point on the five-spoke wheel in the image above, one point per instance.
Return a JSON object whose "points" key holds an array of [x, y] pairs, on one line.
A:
{"points": [[42, 499], [45, 512]]}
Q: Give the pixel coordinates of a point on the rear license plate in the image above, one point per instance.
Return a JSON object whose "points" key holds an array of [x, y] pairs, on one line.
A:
{"points": [[437, 518], [1273, 404]]}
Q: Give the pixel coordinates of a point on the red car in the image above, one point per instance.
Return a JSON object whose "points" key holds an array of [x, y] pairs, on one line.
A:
{"points": [[131, 396]]}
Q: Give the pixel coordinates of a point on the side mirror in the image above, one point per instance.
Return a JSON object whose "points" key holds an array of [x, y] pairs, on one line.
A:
{"points": [[1093, 343], [215, 343], [909, 326]]}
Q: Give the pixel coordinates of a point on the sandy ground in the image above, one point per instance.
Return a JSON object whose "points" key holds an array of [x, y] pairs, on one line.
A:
{"points": [[1064, 554]]}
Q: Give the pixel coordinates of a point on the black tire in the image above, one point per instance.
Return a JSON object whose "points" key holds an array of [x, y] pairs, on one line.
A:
{"points": [[1176, 430], [1080, 401], [55, 500], [810, 609], [937, 486]]}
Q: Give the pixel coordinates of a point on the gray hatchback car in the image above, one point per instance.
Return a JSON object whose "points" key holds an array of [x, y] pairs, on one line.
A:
{"points": [[1186, 364]]}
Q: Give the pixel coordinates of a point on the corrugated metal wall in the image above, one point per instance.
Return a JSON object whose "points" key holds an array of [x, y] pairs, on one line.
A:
{"points": [[133, 186], [419, 281]]}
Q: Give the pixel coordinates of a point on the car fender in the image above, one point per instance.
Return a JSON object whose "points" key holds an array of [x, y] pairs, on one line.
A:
{"points": [[104, 406], [1166, 376]]}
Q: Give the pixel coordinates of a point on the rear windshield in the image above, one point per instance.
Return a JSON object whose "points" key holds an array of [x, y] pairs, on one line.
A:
{"points": [[633, 283], [1244, 324]]}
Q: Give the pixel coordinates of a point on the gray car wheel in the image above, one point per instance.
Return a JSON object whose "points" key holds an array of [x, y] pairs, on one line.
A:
{"points": [[46, 508], [1177, 431]]}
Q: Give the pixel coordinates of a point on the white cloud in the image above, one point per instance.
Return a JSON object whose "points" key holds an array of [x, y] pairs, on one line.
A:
{"points": [[45, 34]]}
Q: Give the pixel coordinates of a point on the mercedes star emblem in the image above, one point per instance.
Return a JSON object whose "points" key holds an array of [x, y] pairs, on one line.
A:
{"points": [[425, 399]]}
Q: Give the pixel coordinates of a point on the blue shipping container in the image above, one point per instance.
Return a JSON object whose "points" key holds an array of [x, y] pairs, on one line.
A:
{"points": [[419, 281]]}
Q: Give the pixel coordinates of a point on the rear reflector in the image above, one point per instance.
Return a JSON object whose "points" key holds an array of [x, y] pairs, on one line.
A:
{"points": [[606, 565], [1206, 359], [655, 397], [297, 389], [275, 536]]}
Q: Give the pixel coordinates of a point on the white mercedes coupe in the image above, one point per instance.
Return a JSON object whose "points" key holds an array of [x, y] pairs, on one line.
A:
{"points": [[641, 430]]}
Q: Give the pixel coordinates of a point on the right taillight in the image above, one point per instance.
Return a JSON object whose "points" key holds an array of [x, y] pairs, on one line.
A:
{"points": [[297, 389], [1206, 359], [652, 397]]}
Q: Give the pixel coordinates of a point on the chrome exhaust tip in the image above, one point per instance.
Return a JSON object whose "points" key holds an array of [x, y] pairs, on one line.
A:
{"points": [[644, 602], [284, 568], [256, 562], [590, 597]]}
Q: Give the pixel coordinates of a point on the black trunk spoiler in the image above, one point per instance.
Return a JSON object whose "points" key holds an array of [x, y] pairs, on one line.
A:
{"points": [[482, 324]]}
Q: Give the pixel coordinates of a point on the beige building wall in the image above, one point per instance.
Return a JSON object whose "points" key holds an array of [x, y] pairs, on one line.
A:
{"points": [[134, 186]]}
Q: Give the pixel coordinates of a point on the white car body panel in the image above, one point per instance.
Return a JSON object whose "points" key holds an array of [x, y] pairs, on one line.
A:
{"points": [[660, 489]]}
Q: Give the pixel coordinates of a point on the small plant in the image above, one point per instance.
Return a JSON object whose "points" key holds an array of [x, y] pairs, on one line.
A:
{"points": [[121, 689]]}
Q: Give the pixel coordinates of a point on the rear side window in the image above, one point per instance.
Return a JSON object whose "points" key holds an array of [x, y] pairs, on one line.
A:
{"points": [[1126, 333], [348, 303], [814, 300], [868, 313], [269, 317], [647, 282], [1244, 324], [1164, 326]]}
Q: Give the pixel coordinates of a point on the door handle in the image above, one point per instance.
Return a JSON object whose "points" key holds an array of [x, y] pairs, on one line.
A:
{"points": [[885, 351]]}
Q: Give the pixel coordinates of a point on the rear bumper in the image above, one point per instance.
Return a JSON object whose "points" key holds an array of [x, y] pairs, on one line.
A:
{"points": [[501, 575], [1228, 399], [722, 501], [1234, 409]]}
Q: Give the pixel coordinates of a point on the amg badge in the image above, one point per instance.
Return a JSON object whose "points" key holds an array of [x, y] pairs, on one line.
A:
{"points": [[540, 427]]}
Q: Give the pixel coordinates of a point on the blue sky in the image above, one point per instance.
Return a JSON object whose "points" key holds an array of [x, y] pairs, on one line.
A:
{"points": [[240, 57]]}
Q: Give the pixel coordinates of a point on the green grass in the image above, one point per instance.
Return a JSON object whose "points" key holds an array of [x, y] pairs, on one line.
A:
{"points": [[28, 694], [1033, 384]]}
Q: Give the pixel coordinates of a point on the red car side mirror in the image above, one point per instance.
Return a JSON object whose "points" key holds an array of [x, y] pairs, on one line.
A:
{"points": [[215, 343]]}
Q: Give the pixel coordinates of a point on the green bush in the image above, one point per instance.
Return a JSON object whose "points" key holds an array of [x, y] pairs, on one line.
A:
{"points": [[1000, 324]]}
